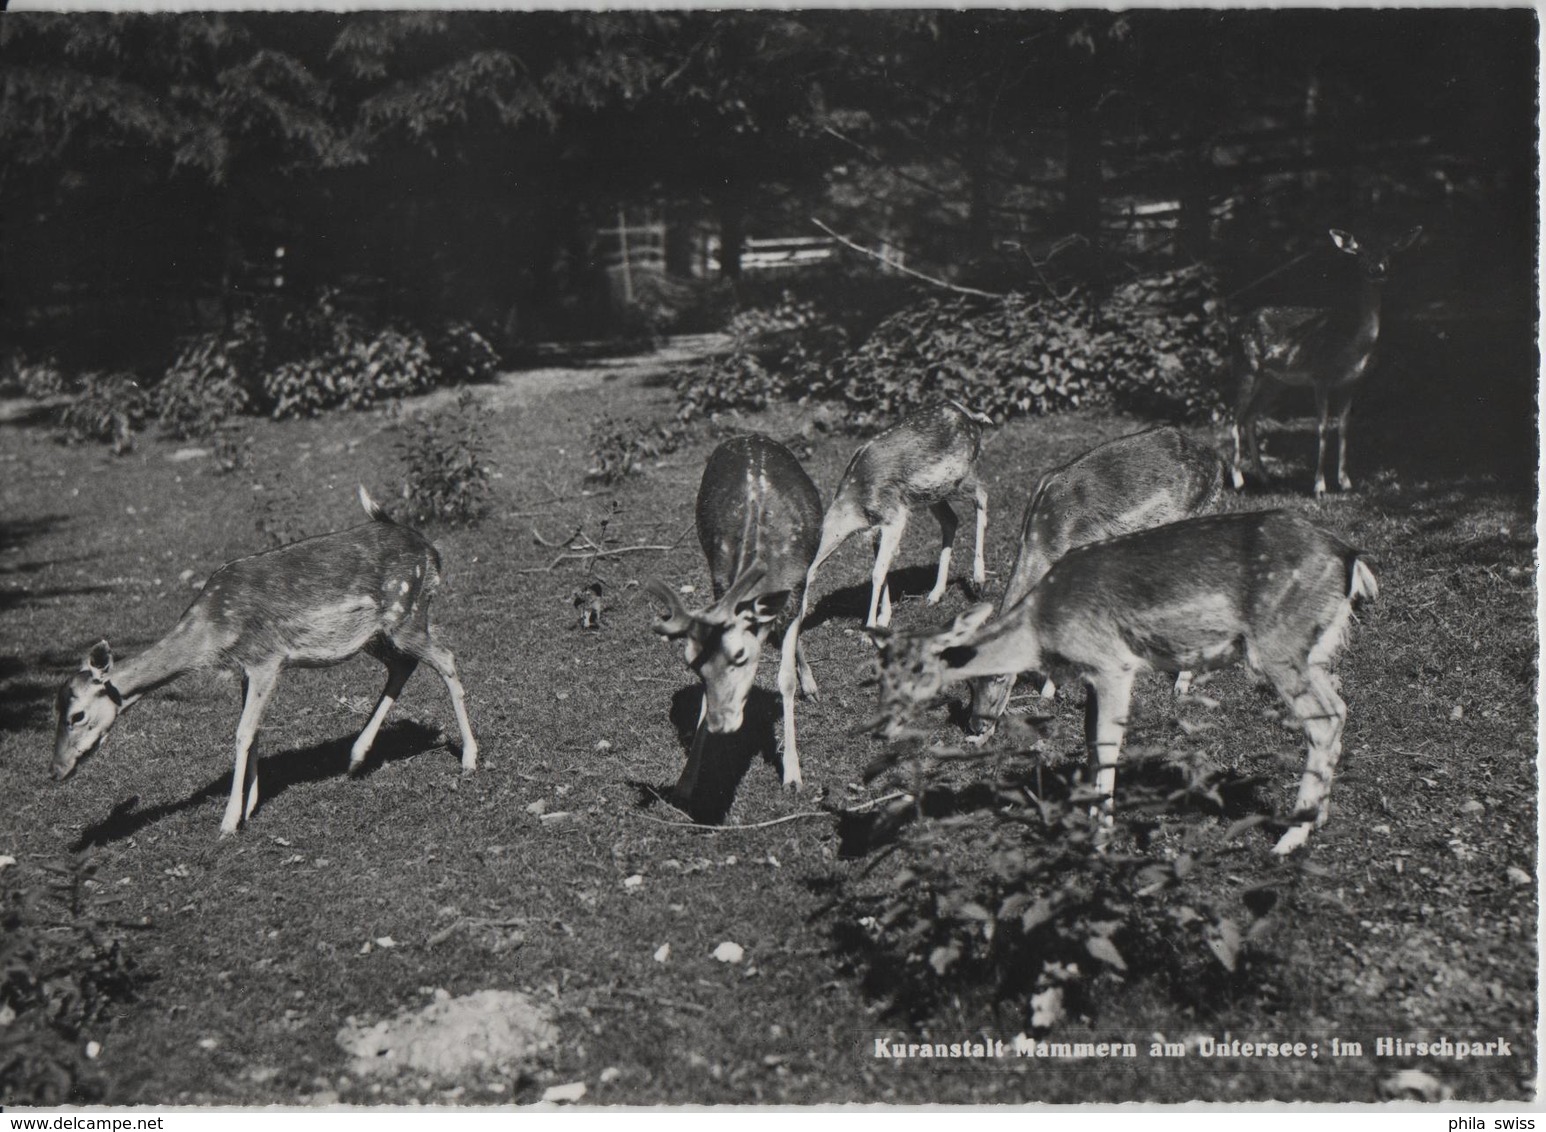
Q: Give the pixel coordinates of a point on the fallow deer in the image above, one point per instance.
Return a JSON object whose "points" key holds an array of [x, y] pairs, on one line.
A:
{"points": [[1143, 480], [922, 461], [311, 603], [758, 518], [1326, 348], [1265, 587]]}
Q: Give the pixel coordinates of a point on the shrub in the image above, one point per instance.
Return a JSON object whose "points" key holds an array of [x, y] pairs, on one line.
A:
{"points": [[39, 380], [1022, 891], [212, 379], [446, 462], [1153, 347], [62, 964], [464, 355], [108, 407], [354, 375], [620, 448]]}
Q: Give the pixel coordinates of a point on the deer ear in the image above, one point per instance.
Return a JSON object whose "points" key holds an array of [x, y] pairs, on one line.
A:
{"points": [[766, 607], [99, 661], [1345, 241], [1407, 240]]}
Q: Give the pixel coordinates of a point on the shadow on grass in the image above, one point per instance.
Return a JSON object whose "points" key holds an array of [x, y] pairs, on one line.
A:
{"points": [[28, 684], [277, 773], [853, 602], [716, 764]]}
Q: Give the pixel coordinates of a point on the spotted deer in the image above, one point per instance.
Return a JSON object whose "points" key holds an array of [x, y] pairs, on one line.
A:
{"points": [[309, 604], [1265, 587], [758, 518], [1328, 349], [1143, 480], [922, 461]]}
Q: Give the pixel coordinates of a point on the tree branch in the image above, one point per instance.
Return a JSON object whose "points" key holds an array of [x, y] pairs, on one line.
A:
{"points": [[957, 288]]}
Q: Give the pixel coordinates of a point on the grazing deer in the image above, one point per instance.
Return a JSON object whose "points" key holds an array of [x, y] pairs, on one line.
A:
{"points": [[1266, 587], [921, 461], [1327, 348], [309, 604], [758, 518], [1125, 485]]}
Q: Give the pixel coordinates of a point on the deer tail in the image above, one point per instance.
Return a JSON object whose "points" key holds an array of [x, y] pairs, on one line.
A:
{"points": [[372, 508]]}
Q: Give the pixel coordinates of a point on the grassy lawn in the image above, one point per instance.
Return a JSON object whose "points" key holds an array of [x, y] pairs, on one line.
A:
{"points": [[1405, 922]]}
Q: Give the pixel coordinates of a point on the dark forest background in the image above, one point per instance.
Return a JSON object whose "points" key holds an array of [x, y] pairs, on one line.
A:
{"points": [[433, 165]]}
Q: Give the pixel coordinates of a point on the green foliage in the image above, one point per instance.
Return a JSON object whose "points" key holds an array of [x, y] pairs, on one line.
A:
{"points": [[462, 354], [39, 380], [62, 965], [211, 379], [1028, 893], [108, 407], [619, 449], [1152, 347], [446, 462], [355, 375]]}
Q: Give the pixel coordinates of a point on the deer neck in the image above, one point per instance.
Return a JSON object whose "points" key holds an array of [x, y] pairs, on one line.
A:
{"points": [[1009, 645], [180, 651]]}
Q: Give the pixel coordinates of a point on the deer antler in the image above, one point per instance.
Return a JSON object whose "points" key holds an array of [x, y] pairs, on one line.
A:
{"points": [[744, 585], [677, 620]]}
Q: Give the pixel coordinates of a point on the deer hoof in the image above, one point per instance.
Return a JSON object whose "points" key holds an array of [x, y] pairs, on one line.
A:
{"points": [[1294, 839]]}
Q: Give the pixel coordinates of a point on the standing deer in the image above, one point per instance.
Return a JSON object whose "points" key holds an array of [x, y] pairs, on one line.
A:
{"points": [[1327, 348], [1266, 587], [758, 519], [921, 461], [309, 604], [1125, 485]]}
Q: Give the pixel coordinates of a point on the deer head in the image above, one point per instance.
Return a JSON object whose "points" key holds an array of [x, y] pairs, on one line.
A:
{"points": [[86, 709], [1374, 261], [723, 642], [915, 667]]}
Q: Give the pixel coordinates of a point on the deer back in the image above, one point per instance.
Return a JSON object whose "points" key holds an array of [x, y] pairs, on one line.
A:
{"points": [[321, 599], [757, 505], [1189, 595], [922, 459]]}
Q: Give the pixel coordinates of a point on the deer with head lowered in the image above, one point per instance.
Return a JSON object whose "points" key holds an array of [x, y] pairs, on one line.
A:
{"points": [[1143, 480], [758, 517], [1328, 349], [308, 604], [925, 459], [1265, 587]]}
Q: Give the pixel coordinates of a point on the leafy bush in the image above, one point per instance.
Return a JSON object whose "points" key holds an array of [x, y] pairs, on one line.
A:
{"points": [[464, 355], [108, 407], [354, 375], [446, 462], [620, 448], [1022, 890], [212, 379], [39, 380], [1153, 347], [62, 964]]}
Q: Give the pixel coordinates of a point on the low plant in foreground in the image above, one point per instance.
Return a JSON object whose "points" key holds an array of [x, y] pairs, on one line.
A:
{"points": [[109, 407], [1016, 886], [63, 965]]}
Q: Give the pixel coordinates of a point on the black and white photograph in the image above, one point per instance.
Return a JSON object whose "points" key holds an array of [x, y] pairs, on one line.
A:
{"points": [[769, 557]]}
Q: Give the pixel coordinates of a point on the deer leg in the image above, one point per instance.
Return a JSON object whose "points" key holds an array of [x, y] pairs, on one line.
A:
{"points": [[948, 524], [979, 566], [887, 539], [257, 687], [1344, 410], [400, 666], [1246, 446], [1183, 683], [414, 638], [1106, 707], [788, 663], [1322, 426], [1321, 713]]}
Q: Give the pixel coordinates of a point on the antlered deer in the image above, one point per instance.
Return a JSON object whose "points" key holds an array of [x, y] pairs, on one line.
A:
{"points": [[1327, 348], [1125, 485], [758, 519], [922, 461], [1266, 587], [312, 603]]}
